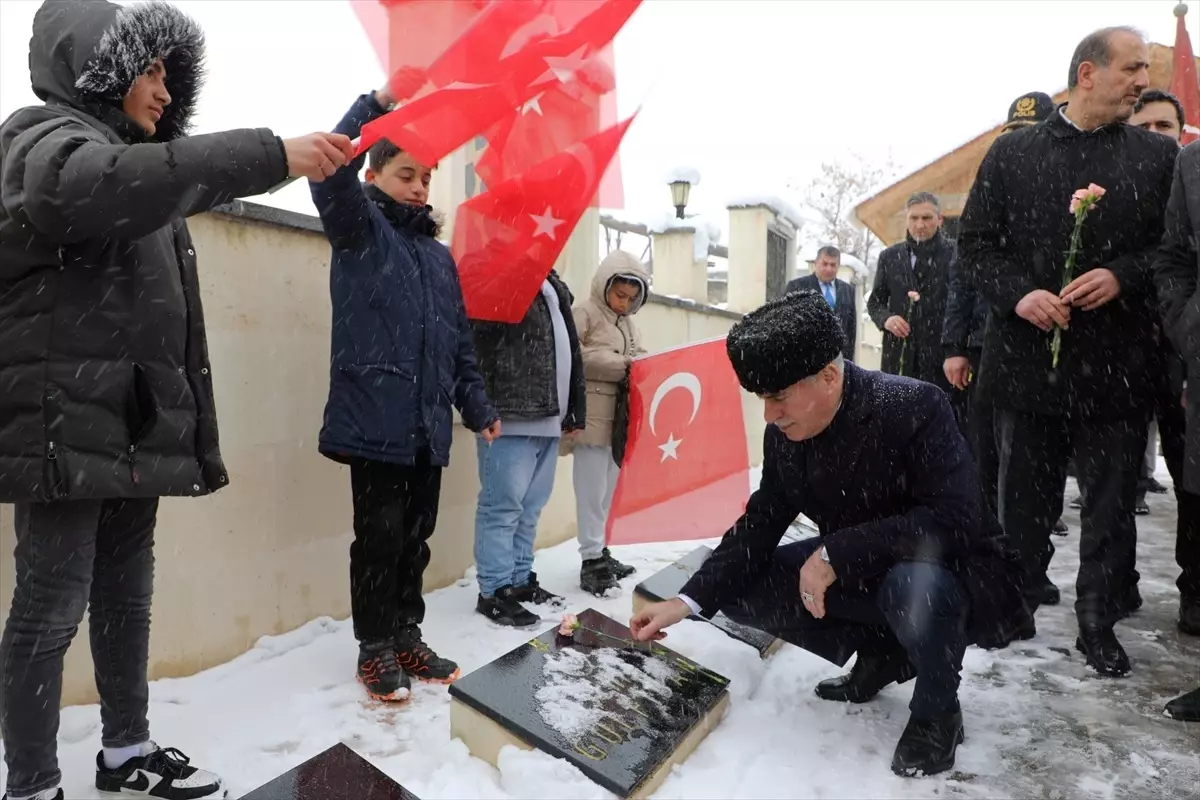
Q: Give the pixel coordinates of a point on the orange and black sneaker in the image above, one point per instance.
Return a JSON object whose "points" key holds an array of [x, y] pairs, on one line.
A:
{"points": [[418, 659], [381, 675]]}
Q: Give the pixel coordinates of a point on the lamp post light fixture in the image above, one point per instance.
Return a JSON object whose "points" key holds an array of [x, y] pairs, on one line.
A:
{"points": [[680, 190]]}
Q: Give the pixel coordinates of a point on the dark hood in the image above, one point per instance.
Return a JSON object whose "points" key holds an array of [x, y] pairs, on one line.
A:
{"points": [[85, 52]]}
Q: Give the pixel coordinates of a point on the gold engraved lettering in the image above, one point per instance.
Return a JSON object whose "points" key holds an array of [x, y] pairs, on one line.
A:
{"points": [[637, 709], [593, 752], [619, 721], [602, 729]]}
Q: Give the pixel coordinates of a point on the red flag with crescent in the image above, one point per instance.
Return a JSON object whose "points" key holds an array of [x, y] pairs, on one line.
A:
{"points": [[686, 473]]}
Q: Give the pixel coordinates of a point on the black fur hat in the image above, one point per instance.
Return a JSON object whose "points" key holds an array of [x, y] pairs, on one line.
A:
{"points": [[784, 341]]}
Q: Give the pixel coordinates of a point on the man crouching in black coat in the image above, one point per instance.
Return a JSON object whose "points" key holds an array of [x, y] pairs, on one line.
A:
{"points": [[909, 568]]}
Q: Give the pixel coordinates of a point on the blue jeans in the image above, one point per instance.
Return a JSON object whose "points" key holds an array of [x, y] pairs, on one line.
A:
{"points": [[916, 608], [516, 477]]}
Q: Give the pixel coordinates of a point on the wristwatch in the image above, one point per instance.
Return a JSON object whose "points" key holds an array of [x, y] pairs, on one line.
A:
{"points": [[824, 554]]}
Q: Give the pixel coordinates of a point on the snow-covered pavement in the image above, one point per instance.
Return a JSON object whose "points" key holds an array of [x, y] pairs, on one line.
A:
{"points": [[1038, 724]]}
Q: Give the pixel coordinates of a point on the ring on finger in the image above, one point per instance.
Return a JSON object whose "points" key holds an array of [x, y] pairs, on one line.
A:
{"points": [[807, 597]]}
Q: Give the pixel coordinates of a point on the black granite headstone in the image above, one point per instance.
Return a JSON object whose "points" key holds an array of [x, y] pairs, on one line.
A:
{"points": [[338, 773], [623, 712], [666, 584]]}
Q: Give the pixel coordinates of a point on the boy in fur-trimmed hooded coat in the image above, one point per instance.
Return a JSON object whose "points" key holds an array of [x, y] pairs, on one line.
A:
{"points": [[107, 402], [608, 341]]}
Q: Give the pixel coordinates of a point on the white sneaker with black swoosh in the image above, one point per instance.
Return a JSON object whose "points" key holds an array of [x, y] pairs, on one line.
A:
{"points": [[163, 773]]}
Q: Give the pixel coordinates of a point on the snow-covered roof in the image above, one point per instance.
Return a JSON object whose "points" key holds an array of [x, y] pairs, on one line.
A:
{"points": [[797, 215], [706, 231], [683, 174]]}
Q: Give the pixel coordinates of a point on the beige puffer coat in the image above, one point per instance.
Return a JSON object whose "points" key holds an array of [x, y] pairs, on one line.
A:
{"points": [[608, 342]]}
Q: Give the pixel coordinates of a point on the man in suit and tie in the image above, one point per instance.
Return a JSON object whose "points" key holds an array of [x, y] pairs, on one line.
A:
{"points": [[839, 294]]}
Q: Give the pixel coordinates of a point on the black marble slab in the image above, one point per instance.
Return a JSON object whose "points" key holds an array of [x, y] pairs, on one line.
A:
{"points": [[667, 582], [615, 708], [338, 773]]}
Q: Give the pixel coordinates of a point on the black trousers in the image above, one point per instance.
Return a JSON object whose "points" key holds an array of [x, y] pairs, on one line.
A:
{"points": [[72, 556], [1033, 450], [395, 512], [1172, 430], [915, 610]]}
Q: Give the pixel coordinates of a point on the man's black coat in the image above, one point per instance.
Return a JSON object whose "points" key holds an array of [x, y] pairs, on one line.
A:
{"points": [[1013, 238], [889, 480]]}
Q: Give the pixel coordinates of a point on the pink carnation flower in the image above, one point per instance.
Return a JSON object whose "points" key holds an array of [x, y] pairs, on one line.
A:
{"points": [[914, 296], [570, 623], [1087, 196]]}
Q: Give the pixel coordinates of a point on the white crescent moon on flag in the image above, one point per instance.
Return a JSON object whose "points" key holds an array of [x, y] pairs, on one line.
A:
{"points": [[680, 380]]}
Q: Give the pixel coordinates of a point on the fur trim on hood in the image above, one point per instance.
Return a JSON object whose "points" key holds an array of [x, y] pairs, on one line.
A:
{"points": [[88, 51], [620, 264]]}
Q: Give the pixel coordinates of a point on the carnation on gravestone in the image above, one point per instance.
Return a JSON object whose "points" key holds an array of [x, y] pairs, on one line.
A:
{"points": [[570, 624]]}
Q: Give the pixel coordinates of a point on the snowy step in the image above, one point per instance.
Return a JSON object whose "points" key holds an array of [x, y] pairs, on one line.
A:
{"points": [[623, 712]]}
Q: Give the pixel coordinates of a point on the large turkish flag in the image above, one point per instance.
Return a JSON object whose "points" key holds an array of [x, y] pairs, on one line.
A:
{"points": [[687, 468], [507, 239]]}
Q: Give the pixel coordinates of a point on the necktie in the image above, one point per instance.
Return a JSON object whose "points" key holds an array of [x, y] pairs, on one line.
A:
{"points": [[829, 294]]}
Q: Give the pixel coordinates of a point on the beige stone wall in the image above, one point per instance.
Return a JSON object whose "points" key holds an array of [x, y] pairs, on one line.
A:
{"points": [[269, 552]]}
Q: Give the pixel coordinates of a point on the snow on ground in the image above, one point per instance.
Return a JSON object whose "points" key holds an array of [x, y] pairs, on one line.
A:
{"points": [[1038, 724]]}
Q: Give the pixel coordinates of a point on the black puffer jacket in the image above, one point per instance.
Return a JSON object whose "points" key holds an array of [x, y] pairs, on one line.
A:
{"points": [[105, 384]]}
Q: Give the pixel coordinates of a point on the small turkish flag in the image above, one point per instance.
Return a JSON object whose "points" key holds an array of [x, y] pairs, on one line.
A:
{"points": [[507, 239], [686, 473]]}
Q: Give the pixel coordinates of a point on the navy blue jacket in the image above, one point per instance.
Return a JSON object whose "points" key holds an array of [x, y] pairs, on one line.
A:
{"points": [[890, 480], [402, 350]]}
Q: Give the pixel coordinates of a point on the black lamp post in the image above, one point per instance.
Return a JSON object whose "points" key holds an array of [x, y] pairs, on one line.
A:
{"points": [[679, 196]]}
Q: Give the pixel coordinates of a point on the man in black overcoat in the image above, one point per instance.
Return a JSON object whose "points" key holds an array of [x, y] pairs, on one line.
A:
{"points": [[1013, 238], [908, 568]]}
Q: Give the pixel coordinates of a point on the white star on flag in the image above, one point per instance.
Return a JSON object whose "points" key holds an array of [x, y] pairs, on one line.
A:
{"points": [[669, 447], [565, 67], [533, 104], [546, 223]]}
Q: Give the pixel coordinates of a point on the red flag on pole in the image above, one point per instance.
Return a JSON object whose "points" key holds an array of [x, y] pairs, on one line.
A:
{"points": [[1184, 83], [507, 239], [687, 467]]}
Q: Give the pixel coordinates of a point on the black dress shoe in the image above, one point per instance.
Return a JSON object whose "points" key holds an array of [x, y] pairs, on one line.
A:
{"points": [[927, 746], [1189, 618], [1104, 653], [1153, 486], [1060, 528], [1185, 708], [867, 678]]}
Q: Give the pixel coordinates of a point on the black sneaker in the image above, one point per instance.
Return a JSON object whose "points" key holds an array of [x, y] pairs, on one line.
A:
{"points": [[380, 673], [504, 608], [619, 571], [532, 592], [163, 773], [418, 659], [595, 577]]}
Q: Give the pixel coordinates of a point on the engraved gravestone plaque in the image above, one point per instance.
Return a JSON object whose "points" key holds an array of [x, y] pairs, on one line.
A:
{"points": [[666, 584], [623, 712], [338, 773]]}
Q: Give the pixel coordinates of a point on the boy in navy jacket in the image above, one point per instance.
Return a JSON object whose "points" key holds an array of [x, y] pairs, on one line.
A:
{"points": [[402, 353]]}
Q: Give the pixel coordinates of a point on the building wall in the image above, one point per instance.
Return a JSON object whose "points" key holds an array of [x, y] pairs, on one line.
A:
{"points": [[269, 552]]}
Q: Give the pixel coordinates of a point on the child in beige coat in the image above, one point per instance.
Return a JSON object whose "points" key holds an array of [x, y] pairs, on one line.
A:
{"points": [[608, 340]]}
